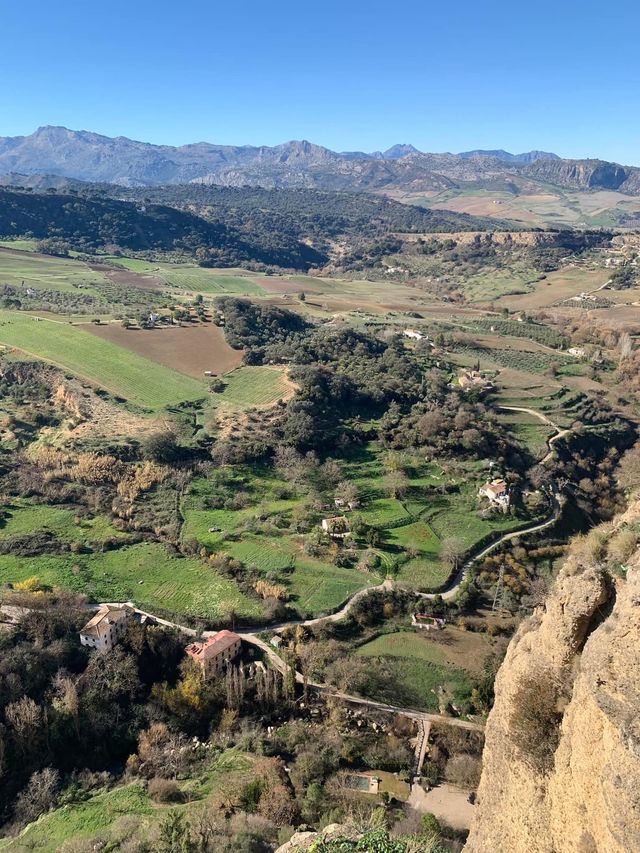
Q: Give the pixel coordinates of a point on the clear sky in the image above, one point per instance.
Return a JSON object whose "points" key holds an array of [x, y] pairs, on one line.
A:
{"points": [[562, 76]]}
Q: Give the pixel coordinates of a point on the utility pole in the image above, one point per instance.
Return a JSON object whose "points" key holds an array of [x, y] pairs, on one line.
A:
{"points": [[498, 586]]}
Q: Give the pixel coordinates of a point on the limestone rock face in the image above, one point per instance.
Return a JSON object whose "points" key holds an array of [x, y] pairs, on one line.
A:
{"points": [[583, 795]]}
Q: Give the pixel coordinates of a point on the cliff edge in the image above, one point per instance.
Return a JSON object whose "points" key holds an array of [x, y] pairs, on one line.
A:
{"points": [[561, 765]]}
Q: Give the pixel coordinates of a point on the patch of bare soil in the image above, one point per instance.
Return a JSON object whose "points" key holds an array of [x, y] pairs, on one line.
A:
{"points": [[282, 285], [191, 349], [128, 278], [90, 415], [448, 803]]}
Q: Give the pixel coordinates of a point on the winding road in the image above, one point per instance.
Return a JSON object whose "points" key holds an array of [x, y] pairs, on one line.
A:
{"points": [[250, 634]]}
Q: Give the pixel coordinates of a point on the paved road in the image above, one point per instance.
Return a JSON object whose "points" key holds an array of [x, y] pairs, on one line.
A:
{"points": [[250, 634]]}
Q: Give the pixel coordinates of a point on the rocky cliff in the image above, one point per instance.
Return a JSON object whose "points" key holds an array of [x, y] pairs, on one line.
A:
{"points": [[561, 767]]}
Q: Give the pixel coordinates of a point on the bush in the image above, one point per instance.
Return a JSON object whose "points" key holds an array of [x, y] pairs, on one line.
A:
{"points": [[164, 791], [535, 720], [463, 770]]}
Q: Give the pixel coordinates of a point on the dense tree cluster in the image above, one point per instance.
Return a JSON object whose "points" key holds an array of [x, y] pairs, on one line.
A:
{"points": [[88, 223], [250, 325]]}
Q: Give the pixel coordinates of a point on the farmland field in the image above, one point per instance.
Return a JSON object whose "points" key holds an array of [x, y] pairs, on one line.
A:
{"points": [[255, 386], [187, 349], [119, 371], [22, 269], [144, 573], [413, 672], [201, 280], [22, 518], [316, 586]]}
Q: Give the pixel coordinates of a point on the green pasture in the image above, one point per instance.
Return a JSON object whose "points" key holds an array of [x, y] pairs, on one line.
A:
{"points": [[201, 280], [253, 386], [414, 672], [120, 371], [19, 245], [46, 272], [145, 574], [126, 813], [21, 519]]}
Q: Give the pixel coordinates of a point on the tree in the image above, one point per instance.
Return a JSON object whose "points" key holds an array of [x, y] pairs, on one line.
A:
{"points": [[161, 447], [39, 796], [396, 483], [451, 551], [347, 491], [25, 718], [175, 834]]}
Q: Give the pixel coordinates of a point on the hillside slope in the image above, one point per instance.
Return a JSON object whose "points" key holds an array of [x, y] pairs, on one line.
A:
{"points": [[90, 223], [561, 767]]}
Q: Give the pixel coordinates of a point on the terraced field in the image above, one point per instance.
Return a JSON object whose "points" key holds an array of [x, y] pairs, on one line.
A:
{"points": [[315, 586], [120, 371], [144, 573]]}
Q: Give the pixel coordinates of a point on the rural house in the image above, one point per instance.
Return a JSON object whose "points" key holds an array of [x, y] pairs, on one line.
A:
{"points": [[429, 623], [337, 527], [105, 629], [497, 492], [472, 380], [414, 334], [216, 652]]}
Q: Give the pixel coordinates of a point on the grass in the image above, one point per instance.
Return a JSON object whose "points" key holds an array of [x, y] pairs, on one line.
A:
{"points": [[315, 586], [145, 573], [253, 386], [19, 245], [260, 536], [417, 671], [47, 272], [83, 820], [126, 813], [118, 370], [403, 644], [201, 280], [27, 518]]}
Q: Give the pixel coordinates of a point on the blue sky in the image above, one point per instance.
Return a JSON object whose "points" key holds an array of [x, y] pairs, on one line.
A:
{"points": [[561, 76]]}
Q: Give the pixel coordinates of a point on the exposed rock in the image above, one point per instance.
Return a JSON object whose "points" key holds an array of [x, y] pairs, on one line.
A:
{"points": [[576, 787], [302, 841], [85, 156]]}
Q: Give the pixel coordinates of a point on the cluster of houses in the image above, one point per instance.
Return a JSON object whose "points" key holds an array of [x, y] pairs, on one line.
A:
{"points": [[104, 630], [337, 526]]}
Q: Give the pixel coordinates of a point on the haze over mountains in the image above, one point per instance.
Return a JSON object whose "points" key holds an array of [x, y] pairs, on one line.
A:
{"points": [[88, 156]]}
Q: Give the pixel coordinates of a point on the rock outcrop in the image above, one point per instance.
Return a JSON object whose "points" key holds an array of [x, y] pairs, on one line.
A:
{"points": [[561, 766]]}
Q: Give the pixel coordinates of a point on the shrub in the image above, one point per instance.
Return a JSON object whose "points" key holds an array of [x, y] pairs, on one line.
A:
{"points": [[164, 791], [535, 720], [463, 770]]}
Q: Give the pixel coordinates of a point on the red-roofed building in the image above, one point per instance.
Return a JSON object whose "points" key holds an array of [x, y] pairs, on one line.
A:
{"points": [[216, 652]]}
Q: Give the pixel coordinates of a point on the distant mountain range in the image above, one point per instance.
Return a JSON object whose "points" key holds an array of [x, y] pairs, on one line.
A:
{"points": [[86, 156]]}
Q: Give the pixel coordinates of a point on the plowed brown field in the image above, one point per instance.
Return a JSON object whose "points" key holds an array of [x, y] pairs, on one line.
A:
{"points": [[188, 349]]}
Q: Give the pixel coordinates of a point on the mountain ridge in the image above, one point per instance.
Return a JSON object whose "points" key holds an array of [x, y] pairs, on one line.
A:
{"points": [[88, 156]]}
